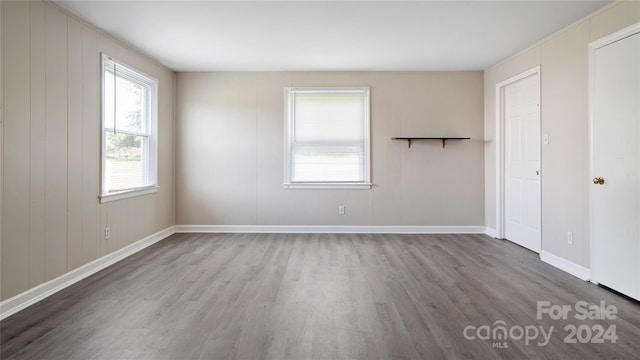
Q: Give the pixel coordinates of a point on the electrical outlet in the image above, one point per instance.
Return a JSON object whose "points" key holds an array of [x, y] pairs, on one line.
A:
{"points": [[570, 238], [341, 210], [107, 233]]}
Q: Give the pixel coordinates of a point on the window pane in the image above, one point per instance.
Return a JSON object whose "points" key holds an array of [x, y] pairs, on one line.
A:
{"points": [[327, 116], [325, 165], [130, 105], [125, 166], [329, 136]]}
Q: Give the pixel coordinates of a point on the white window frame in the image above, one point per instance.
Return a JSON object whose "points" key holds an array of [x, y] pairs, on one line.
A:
{"points": [[151, 83], [289, 100]]}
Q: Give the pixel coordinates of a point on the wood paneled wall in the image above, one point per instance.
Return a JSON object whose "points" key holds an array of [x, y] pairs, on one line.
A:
{"points": [[241, 113], [52, 219]]}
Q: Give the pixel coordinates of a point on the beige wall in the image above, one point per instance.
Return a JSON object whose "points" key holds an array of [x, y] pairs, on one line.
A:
{"points": [[230, 151], [52, 221], [229, 145], [565, 164]]}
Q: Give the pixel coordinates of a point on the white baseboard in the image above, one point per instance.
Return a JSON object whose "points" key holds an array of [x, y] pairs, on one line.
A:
{"points": [[330, 229], [491, 232], [21, 301], [572, 268]]}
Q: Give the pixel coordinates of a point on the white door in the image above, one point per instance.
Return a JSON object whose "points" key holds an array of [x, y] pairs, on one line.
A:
{"points": [[615, 152], [521, 104]]}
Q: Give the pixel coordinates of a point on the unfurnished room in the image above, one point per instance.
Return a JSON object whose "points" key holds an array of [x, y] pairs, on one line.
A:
{"points": [[319, 179]]}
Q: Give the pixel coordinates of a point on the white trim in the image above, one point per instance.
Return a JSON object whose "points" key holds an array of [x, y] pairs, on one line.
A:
{"points": [[127, 194], [616, 36], [491, 232], [21, 301], [330, 229], [328, 186], [500, 232], [593, 46], [565, 265]]}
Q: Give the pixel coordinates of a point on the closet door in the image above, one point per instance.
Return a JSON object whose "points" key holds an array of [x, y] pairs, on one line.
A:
{"points": [[615, 164], [521, 101]]}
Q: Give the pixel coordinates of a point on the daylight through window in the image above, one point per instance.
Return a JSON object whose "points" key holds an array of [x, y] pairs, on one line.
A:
{"points": [[328, 138], [129, 122]]}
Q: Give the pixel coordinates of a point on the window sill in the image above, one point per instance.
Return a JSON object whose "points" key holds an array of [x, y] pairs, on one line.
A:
{"points": [[327, 186], [127, 194]]}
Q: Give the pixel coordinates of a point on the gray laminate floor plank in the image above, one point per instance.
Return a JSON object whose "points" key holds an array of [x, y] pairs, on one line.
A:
{"points": [[314, 296]]}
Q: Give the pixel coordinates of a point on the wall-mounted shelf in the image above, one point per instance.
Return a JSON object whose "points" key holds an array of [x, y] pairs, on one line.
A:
{"points": [[444, 139]]}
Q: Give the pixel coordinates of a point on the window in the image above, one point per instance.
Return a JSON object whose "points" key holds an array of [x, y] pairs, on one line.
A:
{"points": [[129, 122], [327, 141]]}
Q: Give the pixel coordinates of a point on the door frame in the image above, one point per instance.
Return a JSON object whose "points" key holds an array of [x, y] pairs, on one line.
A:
{"points": [[593, 46], [500, 148]]}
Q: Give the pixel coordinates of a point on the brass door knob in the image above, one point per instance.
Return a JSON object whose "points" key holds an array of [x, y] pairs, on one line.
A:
{"points": [[598, 180]]}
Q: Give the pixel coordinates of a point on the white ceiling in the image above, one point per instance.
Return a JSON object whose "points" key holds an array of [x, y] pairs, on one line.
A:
{"points": [[330, 35]]}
